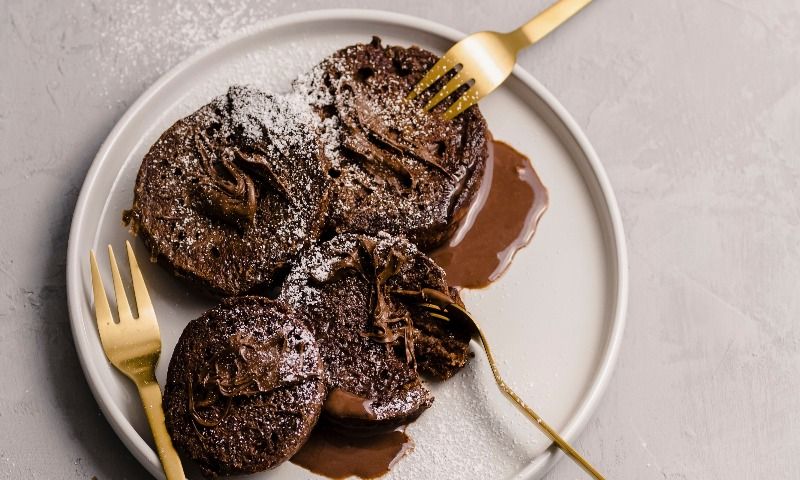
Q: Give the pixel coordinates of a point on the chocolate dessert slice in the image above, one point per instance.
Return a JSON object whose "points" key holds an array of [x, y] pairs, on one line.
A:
{"points": [[231, 193], [355, 291], [395, 167], [244, 387]]}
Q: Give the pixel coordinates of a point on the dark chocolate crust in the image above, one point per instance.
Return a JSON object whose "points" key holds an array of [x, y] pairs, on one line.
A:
{"points": [[354, 291], [230, 194], [395, 168], [244, 387]]}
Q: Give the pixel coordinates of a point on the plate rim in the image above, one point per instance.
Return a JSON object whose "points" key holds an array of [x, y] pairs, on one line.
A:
{"points": [[540, 464]]}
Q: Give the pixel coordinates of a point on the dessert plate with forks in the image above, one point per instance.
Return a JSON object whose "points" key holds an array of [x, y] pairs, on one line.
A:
{"points": [[555, 318]]}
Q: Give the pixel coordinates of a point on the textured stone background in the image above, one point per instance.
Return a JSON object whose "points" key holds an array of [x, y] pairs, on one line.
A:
{"points": [[693, 107]]}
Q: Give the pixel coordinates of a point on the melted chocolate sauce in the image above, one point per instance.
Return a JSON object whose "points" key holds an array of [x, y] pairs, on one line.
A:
{"points": [[343, 404], [334, 455], [502, 221]]}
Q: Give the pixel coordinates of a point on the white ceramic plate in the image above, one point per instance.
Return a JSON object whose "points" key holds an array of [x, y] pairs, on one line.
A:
{"points": [[555, 318]]}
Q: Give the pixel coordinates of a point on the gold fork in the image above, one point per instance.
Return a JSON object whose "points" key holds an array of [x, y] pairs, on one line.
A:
{"points": [[483, 60], [133, 346], [442, 307]]}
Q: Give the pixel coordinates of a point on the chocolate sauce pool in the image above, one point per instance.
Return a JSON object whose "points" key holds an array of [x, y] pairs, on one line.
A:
{"points": [[507, 210], [334, 455]]}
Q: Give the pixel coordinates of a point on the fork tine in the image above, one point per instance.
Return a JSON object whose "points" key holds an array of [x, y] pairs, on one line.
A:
{"points": [[439, 316], [143, 303], [444, 65], [434, 311], [123, 307], [431, 307], [468, 99], [455, 82], [102, 310]]}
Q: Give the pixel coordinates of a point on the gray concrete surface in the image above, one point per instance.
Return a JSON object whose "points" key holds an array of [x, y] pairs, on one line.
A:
{"points": [[693, 106]]}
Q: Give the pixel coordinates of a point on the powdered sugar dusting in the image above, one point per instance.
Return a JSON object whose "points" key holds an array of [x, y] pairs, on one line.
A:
{"points": [[153, 37], [287, 118], [465, 435]]}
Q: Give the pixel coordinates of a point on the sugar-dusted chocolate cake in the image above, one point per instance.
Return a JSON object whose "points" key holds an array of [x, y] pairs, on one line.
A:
{"points": [[230, 194], [244, 387], [354, 291], [395, 167]]}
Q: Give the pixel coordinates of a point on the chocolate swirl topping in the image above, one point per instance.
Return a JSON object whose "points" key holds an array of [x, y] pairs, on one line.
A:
{"points": [[243, 367], [258, 163], [224, 190], [374, 138], [384, 266], [388, 325]]}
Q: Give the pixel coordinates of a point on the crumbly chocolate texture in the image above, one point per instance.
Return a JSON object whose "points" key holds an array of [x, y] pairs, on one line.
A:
{"points": [[354, 291], [244, 387], [230, 194], [442, 349], [395, 167]]}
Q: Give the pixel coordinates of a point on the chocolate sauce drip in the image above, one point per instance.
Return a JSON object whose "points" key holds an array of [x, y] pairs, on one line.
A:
{"points": [[511, 202], [343, 404], [335, 455]]}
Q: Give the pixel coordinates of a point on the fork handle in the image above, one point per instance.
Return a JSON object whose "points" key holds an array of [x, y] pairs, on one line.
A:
{"points": [[150, 393], [535, 418], [544, 23]]}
